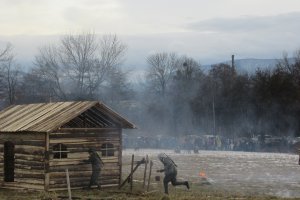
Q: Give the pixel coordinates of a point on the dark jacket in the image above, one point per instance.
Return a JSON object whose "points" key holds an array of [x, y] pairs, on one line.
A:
{"points": [[169, 166], [96, 161]]}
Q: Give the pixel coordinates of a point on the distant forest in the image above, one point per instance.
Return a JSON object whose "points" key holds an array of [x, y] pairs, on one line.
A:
{"points": [[175, 97]]}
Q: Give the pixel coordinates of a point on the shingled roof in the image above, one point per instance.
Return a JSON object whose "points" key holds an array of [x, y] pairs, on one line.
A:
{"points": [[50, 117]]}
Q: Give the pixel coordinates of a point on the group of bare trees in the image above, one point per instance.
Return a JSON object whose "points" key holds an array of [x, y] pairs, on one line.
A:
{"points": [[181, 99], [171, 82], [178, 97], [77, 67]]}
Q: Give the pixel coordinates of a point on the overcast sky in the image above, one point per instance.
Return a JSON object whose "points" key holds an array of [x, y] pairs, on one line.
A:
{"points": [[208, 30]]}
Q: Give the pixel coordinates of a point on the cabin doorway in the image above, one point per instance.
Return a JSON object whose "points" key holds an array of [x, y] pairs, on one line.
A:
{"points": [[9, 162]]}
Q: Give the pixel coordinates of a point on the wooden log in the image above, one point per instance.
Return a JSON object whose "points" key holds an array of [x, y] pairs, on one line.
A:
{"points": [[29, 181], [36, 148], [86, 130], [38, 158], [95, 143], [62, 162], [37, 143], [21, 137], [80, 179], [84, 140], [84, 147], [33, 143], [84, 155], [25, 159], [28, 162], [85, 167], [82, 187], [79, 133], [35, 176], [86, 144], [28, 171], [54, 163], [18, 186], [83, 183], [109, 135], [29, 151], [28, 167], [73, 174], [70, 167]]}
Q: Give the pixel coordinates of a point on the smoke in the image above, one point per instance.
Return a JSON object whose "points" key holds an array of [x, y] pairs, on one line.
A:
{"points": [[220, 102]]}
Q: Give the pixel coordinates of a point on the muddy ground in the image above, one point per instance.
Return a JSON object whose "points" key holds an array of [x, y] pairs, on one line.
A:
{"points": [[238, 172]]}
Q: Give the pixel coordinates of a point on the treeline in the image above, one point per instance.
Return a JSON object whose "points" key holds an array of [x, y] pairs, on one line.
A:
{"points": [[182, 99], [175, 97]]}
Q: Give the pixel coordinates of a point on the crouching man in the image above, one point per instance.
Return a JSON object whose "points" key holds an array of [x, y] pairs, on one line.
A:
{"points": [[170, 172], [97, 164]]}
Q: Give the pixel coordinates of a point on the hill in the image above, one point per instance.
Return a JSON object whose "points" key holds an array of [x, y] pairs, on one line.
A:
{"points": [[250, 65]]}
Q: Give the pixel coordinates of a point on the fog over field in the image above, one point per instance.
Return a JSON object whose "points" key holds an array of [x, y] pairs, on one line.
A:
{"points": [[242, 172]]}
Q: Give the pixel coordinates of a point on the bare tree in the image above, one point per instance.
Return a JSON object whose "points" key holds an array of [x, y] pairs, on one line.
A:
{"points": [[117, 89], [111, 54], [11, 78], [6, 54], [9, 74], [80, 63], [162, 67], [49, 69], [78, 56]]}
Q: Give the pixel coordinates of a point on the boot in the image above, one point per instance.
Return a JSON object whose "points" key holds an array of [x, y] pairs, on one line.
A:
{"points": [[187, 185]]}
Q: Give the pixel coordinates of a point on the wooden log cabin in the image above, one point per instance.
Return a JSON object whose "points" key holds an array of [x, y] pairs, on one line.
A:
{"points": [[38, 142]]}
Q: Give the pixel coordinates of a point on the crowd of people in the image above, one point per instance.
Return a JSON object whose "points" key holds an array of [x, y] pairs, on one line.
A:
{"points": [[194, 143]]}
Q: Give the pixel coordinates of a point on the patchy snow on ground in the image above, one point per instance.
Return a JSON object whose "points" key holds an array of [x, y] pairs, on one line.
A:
{"points": [[247, 172]]}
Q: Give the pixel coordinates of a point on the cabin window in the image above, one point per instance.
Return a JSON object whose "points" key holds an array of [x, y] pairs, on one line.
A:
{"points": [[107, 149], [60, 151]]}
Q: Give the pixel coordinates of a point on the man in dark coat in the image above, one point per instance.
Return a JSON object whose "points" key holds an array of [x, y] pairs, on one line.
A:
{"points": [[170, 172], [97, 163]]}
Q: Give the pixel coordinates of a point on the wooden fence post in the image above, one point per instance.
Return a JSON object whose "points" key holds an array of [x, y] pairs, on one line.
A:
{"points": [[149, 178], [68, 183], [131, 178], [145, 171]]}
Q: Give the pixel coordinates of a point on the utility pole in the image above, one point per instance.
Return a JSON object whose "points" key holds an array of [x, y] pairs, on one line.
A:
{"points": [[214, 116]]}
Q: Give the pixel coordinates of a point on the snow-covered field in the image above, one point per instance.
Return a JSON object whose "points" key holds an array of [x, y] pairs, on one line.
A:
{"points": [[244, 172]]}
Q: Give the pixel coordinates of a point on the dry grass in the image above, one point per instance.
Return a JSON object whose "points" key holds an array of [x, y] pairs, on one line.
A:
{"points": [[197, 192]]}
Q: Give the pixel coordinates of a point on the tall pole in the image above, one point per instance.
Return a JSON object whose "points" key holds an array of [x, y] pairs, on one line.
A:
{"points": [[232, 62], [214, 115]]}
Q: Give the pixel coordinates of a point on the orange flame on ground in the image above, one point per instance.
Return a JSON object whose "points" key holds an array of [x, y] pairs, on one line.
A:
{"points": [[202, 174]]}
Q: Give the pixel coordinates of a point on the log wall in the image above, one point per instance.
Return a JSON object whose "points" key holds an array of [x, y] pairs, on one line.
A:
{"points": [[29, 160], [77, 144]]}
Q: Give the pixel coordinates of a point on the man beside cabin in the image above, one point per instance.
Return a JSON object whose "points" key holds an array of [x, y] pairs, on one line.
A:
{"points": [[97, 164]]}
